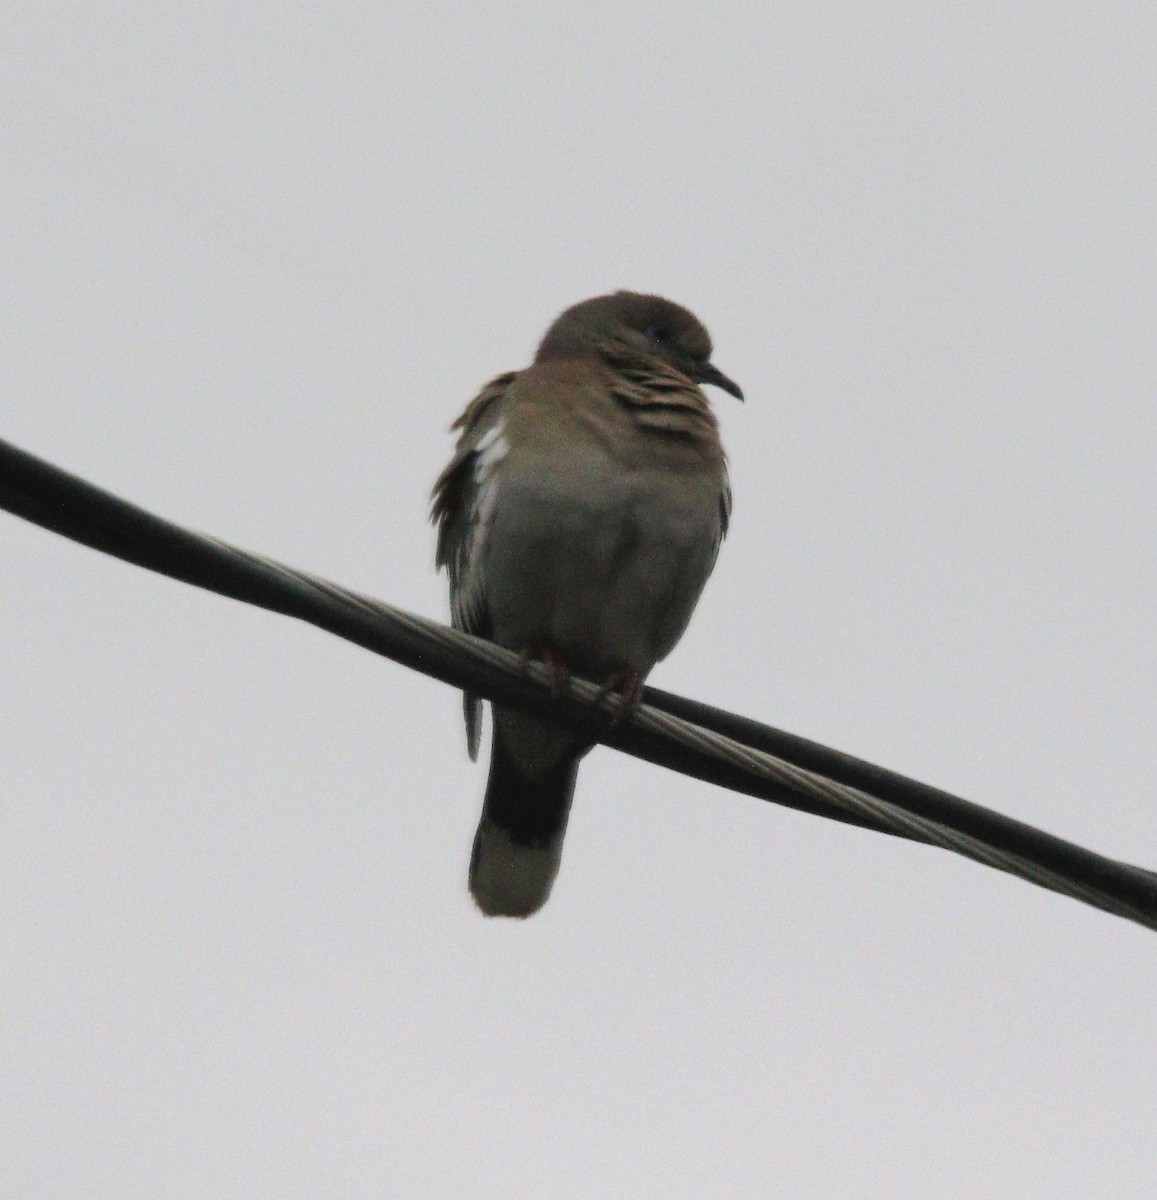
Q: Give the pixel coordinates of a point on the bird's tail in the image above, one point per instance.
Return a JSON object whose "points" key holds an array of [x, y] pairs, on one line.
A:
{"points": [[518, 846]]}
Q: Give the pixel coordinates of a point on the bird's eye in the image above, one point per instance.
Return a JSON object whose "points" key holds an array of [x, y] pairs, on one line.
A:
{"points": [[659, 334]]}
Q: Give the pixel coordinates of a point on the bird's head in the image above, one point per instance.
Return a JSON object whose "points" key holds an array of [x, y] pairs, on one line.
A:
{"points": [[648, 326]]}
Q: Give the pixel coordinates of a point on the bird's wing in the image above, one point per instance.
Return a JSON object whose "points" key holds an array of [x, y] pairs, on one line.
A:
{"points": [[463, 506], [724, 510]]}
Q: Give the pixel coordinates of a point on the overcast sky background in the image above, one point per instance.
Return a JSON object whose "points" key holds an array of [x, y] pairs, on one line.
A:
{"points": [[254, 261]]}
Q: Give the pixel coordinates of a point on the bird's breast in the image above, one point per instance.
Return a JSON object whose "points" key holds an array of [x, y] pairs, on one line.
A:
{"points": [[601, 561]]}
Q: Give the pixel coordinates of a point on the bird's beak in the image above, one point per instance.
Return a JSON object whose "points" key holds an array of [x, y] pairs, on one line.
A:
{"points": [[706, 373]]}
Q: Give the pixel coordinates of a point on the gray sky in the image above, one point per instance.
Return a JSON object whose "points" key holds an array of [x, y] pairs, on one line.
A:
{"points": [[254, 261]]}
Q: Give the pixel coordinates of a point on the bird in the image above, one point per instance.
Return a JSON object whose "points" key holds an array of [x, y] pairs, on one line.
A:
{"points": [[578, 520]]}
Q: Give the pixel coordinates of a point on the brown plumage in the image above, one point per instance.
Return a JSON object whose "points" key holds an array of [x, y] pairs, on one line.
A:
{"points": [[578, 519]]}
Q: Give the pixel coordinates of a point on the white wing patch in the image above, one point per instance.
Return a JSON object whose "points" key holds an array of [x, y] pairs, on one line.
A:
{"points": [[468, 600], [491, 450]]}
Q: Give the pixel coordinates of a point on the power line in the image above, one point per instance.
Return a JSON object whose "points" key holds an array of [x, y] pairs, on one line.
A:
{"points": [[695, 739]]}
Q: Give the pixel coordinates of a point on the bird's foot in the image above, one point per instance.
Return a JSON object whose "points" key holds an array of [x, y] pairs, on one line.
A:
{"points": [[551, 659], [625, 689]]}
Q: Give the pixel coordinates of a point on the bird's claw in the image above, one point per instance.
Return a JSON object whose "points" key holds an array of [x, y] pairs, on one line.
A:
{"points": [[550, 658], [625, 690]]}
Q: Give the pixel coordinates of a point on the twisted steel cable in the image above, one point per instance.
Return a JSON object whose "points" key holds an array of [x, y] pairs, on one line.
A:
{"points": [[672, 731]]}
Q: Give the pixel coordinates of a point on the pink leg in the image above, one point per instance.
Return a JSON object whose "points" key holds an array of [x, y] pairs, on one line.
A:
{"points": [[626, 687], [552, 660]]}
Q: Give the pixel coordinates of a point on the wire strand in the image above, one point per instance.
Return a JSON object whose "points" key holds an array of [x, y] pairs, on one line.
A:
{"points": [[684, 735]]}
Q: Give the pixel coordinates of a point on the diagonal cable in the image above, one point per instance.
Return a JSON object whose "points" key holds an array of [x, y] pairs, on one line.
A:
{"points": [[667, 730]]}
